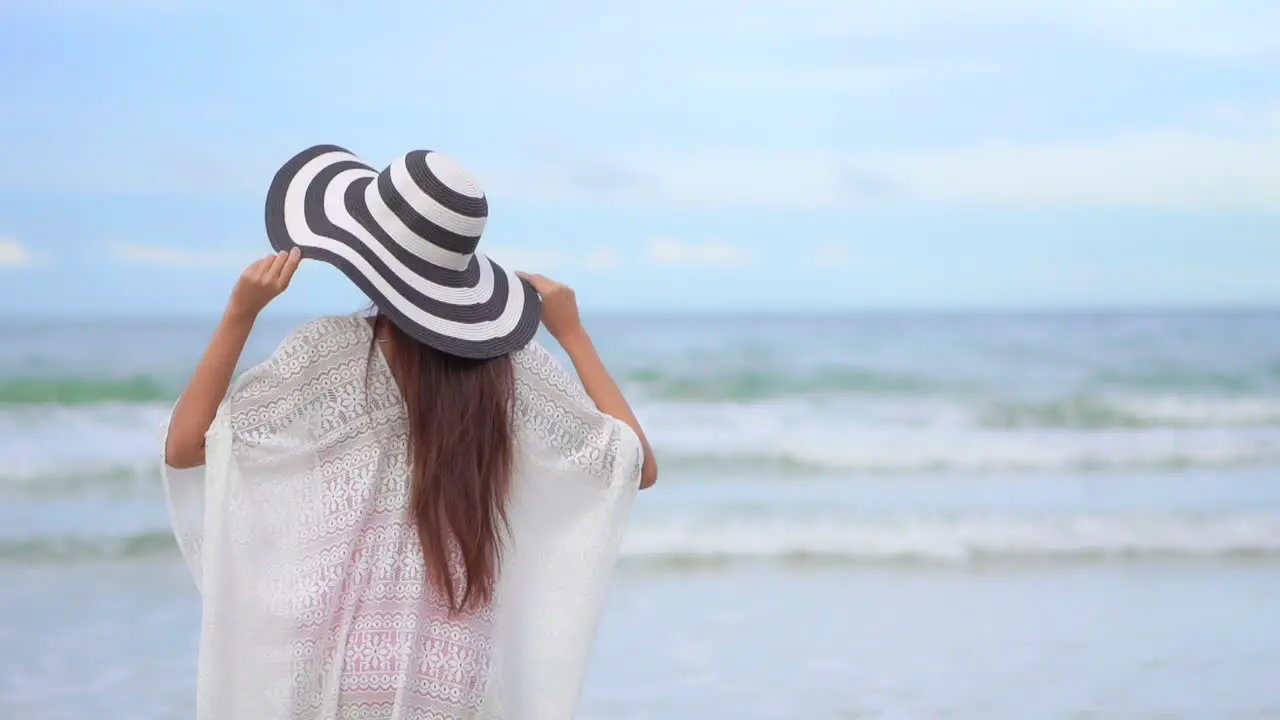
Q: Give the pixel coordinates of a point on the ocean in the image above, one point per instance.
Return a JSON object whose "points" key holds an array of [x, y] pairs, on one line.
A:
{"points": [[987, 516]]}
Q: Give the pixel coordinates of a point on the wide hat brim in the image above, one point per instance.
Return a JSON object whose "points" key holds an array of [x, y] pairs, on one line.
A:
{"points": [[327, 202]]}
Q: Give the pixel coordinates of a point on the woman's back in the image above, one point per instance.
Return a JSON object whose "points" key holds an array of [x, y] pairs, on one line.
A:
{"points": [[311, 563]]}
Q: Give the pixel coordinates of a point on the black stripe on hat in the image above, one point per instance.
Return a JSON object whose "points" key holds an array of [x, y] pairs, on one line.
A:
{"points": [[321, 224], [416, 163], [519, 336], [357, 205], [419, 225], [277, 232]]}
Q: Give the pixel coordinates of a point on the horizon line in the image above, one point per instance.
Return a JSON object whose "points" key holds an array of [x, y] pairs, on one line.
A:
{"points": [[713, 313]]}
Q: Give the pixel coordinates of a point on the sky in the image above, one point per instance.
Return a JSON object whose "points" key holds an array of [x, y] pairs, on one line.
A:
{"points": [[662, 156]]}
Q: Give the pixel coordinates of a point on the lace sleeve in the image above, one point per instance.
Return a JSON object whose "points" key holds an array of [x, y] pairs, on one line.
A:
{"points": [[564, 425], [280, 406], [262, 402], [184, 495]]}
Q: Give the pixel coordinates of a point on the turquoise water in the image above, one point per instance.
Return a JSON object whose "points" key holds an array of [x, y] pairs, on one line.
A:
{"points": [[964, 516]]}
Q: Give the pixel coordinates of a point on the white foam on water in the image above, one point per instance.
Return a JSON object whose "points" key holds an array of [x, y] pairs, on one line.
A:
{"points": [[958, 540], [798, 438], [868, 540], [1186, 410], [52, 442], [68, 446]]}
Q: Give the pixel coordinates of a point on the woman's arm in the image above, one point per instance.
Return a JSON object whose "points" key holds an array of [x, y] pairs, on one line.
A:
{"points": [[560, 316], [606, 394], [194, 413]]}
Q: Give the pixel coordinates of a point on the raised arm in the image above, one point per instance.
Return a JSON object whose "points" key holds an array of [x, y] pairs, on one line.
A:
{"points": [[561, 318], [262, 282]]}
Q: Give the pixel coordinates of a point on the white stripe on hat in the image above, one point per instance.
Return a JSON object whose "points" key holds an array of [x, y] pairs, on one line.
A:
{"points": [[335, 209], [408, 239], [430, 208], [453, 175]]}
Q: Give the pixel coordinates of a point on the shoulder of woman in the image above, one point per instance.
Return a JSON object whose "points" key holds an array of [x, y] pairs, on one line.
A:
{"points": [[535, 361], [539, 371], [309, 343], [327, 326], [325, 333], [267, 394]]}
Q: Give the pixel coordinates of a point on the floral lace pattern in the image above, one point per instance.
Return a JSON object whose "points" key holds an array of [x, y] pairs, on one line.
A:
{"points": [[546, 403], [317, 603]]}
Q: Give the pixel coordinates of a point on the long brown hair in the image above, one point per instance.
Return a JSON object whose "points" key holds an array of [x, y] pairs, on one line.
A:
{"points": [[461, 457]]}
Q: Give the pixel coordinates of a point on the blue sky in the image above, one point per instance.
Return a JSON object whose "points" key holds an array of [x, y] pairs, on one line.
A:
{"points": [[661, 155]]}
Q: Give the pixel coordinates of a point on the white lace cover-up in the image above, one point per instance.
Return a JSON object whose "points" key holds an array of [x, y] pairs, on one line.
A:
{"points": [[315, 598]]}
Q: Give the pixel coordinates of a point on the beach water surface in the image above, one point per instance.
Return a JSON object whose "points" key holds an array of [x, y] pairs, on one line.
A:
{"points": [[889, 516]]}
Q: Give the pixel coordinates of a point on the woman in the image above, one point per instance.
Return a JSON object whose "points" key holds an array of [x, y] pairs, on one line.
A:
{"points": [[409, 515]]}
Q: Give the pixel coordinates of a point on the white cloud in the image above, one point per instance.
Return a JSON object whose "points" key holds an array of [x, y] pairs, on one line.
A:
{"points": [[534, 260], [833, 255], [528, 259], [1200, 29], [165, 256], [549, 260], [794, 64], [838, 79], [104, 7], [1154, 170], [602, 258], [1224, 159], [1216, 30], [764, 75], [671, 251], [14, 254]]}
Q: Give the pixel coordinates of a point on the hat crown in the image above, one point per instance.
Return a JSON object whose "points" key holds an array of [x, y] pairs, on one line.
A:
{"points": [[436, 199], [453, 175]]}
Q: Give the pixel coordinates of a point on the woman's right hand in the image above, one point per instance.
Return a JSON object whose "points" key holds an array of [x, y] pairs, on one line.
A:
{"points": [[261, 283], [559, 306]]}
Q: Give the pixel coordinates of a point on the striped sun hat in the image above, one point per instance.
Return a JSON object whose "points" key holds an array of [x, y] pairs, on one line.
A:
{"points": [[407, 237]]}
